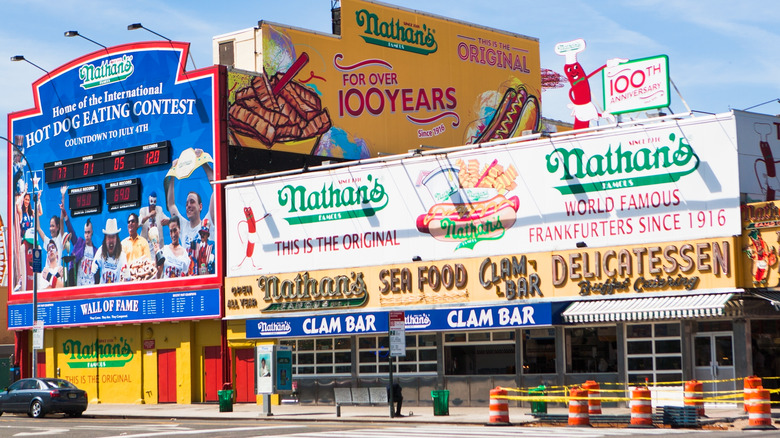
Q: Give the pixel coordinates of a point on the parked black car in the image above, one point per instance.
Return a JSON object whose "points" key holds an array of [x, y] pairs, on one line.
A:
{"points": [[38, 397]]}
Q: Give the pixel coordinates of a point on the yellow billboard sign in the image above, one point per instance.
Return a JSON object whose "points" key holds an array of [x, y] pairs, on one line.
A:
{"points": [[393, 80], [688, 266]]}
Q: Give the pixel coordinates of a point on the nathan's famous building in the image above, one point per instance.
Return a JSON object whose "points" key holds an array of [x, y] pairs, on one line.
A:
{"points": [[120, 150], [127, 151], [518, 257], [618, 255]]}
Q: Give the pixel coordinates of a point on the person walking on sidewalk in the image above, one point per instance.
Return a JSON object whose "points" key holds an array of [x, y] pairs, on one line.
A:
{"points": [[398, 397]]}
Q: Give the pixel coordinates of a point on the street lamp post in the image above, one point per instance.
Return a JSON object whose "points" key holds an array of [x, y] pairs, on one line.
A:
{"points": [[135, 26], [16, 144], [75, 33]]}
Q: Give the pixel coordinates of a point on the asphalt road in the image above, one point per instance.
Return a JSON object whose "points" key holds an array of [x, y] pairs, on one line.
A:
{"points": [[59, 426]]}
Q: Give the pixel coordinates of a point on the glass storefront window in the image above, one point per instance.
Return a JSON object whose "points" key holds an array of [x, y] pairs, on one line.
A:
{"points": [[539, 351], [331, 356], [667, 330], [668, 363], [639, 331], [420, 355], [488, 356], [591, 350], [669, 346], [640, 347], [479, 337], [455, 337], [653, 352], [765, 343]]}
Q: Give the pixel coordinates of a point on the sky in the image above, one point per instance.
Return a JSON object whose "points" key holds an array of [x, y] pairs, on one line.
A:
{"points": [[722, 54]]}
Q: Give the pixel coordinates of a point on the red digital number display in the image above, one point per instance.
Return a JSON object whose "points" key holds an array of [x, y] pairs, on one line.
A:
{"points": [[83, 201], [151, 158], [81, 198], [59, 173], [121, 195], [125, 192], [106, 163], [119, 164], [89, 168]]}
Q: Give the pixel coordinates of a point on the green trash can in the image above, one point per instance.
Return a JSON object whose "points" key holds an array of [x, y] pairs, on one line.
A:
{"points": [[225, 400], [441, 402], [538, 407]]}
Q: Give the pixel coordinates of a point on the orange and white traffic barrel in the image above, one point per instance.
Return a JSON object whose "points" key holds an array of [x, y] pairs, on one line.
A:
{"points": [[594, 397], [759, 411], [694, 396], [578, 407], [499, 408], [641, 408], [752, 384]]}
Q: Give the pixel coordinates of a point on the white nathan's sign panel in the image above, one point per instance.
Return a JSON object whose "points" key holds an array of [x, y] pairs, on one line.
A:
{"points": [[660, 182], [636, 85], [758, 143]]}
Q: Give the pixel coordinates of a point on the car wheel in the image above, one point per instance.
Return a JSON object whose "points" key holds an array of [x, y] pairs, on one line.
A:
{"points": [[36, 409]]}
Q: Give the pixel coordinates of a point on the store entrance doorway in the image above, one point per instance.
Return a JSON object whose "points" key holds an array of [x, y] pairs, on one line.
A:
{"points": [[166, 376], [714, 364]]}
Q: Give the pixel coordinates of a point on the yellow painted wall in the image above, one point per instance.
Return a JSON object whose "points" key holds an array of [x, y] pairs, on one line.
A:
{"points": [[149, 366], [104, 361], [128, 372], [205, 334]]}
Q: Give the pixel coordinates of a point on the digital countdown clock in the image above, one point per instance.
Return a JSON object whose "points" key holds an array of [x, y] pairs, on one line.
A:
{"points": [[85, 200], [106, 163], [123, 194]]}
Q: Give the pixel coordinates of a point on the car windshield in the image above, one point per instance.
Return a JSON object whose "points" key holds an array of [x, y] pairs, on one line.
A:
{"points": [[16, 385], [59, 384]]}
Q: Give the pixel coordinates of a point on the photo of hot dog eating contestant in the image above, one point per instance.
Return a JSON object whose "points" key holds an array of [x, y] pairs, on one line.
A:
{"points": [[183, 167], [175, 261], [52, 275], [201, 251], [82, 250], [153, 219], [22, 239], [55, 228], [110, 264], [134, 246]]}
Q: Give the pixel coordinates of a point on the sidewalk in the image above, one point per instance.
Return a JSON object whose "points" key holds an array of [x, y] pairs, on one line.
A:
{"points": [[412, 414]]}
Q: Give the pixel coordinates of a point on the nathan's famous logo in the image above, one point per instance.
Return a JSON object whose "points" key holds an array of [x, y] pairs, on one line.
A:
{"points": [[333, 203], [469, 203], [622, 168], [108, 72], [408, 37], [99, 354], [308, 293]]}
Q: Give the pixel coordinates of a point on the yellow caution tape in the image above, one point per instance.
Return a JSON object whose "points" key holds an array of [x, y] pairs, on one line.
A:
{"points": [[649, 385]]}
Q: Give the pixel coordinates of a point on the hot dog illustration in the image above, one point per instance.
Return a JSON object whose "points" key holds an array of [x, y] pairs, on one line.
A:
{"points": [[250, 236], [278, 109], [491, 218], [517, 112]]}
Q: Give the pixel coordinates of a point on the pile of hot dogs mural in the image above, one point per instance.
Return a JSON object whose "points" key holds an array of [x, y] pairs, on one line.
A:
{"points": [[394, 79]]}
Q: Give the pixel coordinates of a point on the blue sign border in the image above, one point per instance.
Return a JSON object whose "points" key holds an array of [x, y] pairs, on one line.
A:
{"points": [[73, 117], [417, 320], [168, 306]]}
